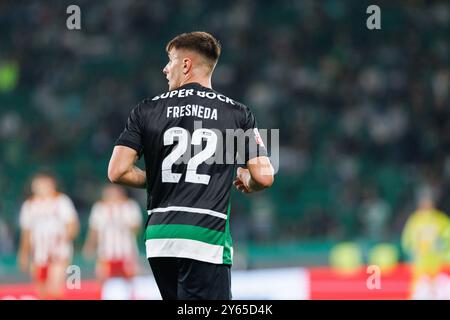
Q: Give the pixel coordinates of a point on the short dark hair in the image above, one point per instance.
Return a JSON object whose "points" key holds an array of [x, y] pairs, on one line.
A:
{"points": [[45, 173], [198, 41]]}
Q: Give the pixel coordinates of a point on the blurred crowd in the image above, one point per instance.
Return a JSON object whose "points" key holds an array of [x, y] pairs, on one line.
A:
{"points": [[364, 115]]}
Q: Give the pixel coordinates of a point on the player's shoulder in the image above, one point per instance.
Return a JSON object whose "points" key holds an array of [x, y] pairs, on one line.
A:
{"points": [[416, 215], [98, 205], [63, 198], [150, 105], [412, 219], [145, 104], [242, 107], [245, 114], [28, 202], [132, 203], [233, 105], [166, 96], [442, 216]]}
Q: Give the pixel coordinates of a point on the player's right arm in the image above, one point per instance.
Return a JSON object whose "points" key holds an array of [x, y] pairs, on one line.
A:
{"points": [[129, 147], [122, 169]]}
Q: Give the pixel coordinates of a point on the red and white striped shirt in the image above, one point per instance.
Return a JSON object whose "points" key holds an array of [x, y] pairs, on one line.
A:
{"points": [[114, 223], [47, 220]]}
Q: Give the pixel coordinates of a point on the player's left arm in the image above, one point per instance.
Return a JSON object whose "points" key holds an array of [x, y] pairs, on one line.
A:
{"points": [[258, 175], [90, 244], [73, 228], [122, 169]]}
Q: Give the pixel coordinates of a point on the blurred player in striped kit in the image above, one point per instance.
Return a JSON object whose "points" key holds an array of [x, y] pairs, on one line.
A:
{"points": [[49, 224], [113, 224]]}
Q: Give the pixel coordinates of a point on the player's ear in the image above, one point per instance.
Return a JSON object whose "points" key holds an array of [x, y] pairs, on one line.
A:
{"points": [[187, 65]]}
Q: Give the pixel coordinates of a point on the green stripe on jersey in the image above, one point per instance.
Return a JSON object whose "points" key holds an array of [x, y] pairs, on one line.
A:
{"points": [[183, 231]]}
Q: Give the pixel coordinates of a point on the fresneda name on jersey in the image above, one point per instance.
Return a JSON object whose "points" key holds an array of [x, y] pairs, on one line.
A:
{"points": [[193, 110]]}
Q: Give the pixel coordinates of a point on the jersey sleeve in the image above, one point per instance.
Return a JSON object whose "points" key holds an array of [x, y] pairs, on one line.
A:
{"points": [[134, 217], [24, 217], [67, 210], [95, 217], [253, 143], [406, 236], [131, 136]]}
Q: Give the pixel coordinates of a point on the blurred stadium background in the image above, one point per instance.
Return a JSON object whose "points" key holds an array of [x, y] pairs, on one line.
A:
{"points": [[364, 123]]}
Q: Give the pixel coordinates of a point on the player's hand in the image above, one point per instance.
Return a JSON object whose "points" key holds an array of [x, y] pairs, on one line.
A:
{"points": [[242, 180]]}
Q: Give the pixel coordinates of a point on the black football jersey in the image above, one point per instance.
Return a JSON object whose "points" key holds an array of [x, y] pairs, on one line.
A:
{"points": [[189, 138]]}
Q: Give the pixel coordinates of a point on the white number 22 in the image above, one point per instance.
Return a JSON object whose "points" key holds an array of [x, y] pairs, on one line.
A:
{"points": [[191, 172]]}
